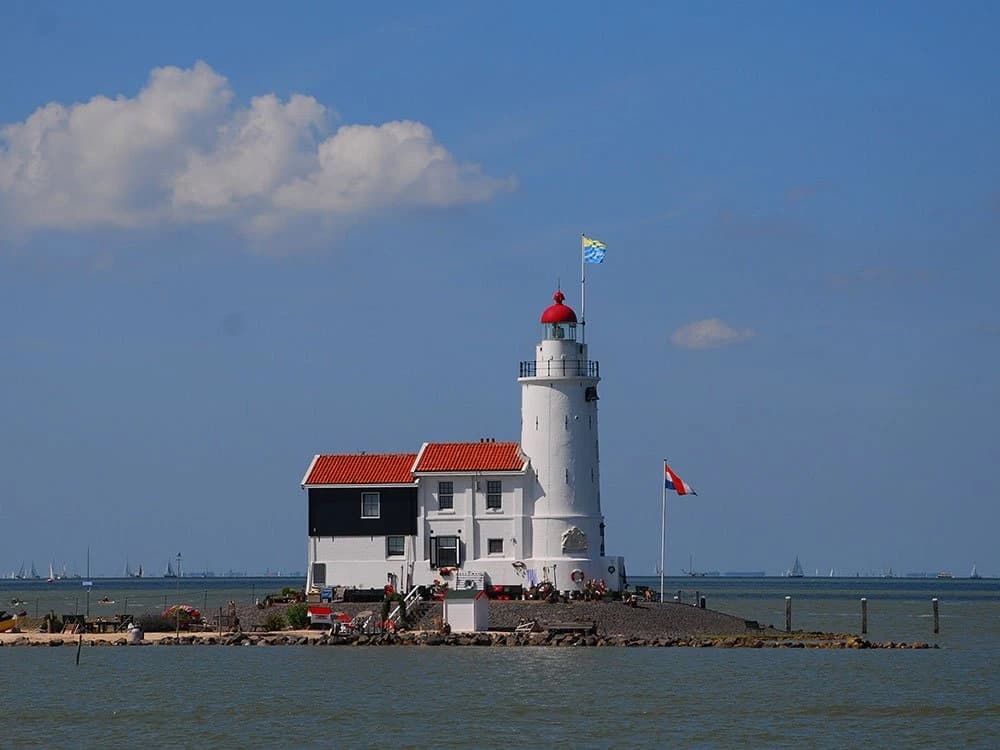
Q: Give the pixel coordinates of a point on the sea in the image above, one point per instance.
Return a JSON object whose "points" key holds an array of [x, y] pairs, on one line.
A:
{"points": [[523, 697]]}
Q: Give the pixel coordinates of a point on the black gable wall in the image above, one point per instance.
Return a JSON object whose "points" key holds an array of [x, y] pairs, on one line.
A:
{"points": [[337, 512]]}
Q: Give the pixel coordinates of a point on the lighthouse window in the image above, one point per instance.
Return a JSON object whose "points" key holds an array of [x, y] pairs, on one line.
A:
{"points": [[370, 505], [494, 492], [446, 495]]}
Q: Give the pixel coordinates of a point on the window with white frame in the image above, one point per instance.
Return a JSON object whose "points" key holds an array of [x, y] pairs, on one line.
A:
{"points": [[494, 492], [494, 546], [446, 495], [370, 505], [444, 552], [395, 546]]}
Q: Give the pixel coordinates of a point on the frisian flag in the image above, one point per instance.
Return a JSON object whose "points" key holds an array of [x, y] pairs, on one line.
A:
{"points": [[675, 483]]}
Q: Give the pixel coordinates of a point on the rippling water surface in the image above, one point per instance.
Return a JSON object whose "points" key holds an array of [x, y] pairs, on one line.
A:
{"points": [[530, 697]]}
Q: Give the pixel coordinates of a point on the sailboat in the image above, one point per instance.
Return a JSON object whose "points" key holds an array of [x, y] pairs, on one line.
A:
{"points": [[690, 569], [20, 573], [128, 570], [170, 571], [796, 571], [138, 571], [34, 573], [52, 575], [974, 573]]}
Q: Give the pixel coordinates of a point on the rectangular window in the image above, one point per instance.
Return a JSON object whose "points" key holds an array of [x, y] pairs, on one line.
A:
{"points": [[494, 546], [446, 495], [493, 494], [446, 551], [370, 505], [319, 574], [395, 546]]}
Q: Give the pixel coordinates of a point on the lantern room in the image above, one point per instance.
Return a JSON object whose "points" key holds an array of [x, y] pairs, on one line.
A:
{"points": [[559, 320]]}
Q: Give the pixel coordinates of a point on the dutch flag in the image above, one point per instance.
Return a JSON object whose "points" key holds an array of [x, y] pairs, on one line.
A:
{"points": [[675, 483]]}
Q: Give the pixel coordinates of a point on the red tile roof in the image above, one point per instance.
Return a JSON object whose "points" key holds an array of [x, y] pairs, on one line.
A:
{"points": [[364, 468], [486, 456]]}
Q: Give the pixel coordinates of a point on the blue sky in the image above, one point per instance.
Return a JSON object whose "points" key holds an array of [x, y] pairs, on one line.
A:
{"points": [[233, 236]]}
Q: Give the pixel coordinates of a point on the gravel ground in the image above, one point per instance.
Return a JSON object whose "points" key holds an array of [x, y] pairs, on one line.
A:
{"points": [[646, 620]]}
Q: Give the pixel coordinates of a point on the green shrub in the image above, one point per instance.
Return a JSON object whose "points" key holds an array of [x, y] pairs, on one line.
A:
{"points": [[298, 616], [153, 622], [275, 621]]}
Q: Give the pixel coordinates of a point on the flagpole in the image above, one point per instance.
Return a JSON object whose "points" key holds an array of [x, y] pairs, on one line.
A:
{"points": [[663, 524], [583, 298]]}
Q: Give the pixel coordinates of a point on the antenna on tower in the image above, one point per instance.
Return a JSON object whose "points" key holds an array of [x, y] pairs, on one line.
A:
{"points": [[558, 283]]}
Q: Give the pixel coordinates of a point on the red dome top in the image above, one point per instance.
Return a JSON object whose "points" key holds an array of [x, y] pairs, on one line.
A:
{"points": [[558, 313]]}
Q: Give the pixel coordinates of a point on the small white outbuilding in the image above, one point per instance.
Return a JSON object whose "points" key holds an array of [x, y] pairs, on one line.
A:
{"points": [[466, 611]]}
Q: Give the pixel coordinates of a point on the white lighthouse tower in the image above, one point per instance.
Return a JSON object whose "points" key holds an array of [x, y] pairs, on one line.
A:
{"points": [[559, 436]]}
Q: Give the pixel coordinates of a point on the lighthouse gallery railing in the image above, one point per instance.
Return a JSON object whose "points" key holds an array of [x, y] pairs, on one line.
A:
{"points": [[561, 367]]}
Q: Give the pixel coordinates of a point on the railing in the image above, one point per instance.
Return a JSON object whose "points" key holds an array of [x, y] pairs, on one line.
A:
{"points": [[561, 367], [408, 602]]}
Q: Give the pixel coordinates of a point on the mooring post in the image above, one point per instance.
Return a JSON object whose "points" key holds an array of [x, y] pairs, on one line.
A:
{"points": [[788, 614], [934, 605], [864, 615], [79, 645], [701, 602], [680, 595]]}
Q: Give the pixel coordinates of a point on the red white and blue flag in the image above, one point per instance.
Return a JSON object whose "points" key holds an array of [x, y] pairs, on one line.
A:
{"points": [[675, 483]]}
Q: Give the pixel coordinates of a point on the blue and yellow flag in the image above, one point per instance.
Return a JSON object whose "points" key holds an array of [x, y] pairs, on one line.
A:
{"points": [[593, 250]]}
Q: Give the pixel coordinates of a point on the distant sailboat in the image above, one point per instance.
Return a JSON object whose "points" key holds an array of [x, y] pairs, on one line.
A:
{"points": [[128, 570], [974, 573], [170, 571], [138, 571], [831, 573], [796, 571], [34, 573], [52, 575]]}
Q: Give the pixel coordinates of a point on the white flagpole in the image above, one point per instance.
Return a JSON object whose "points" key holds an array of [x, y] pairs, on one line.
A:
{"points": [[583, 298], [663, 525]]}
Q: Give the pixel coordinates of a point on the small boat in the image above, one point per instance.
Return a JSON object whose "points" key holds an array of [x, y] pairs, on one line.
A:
{"points": [[52, 575], [974, 573], [169, 573], [796, 571], [945, 574], [138, 571], [105, 600]]}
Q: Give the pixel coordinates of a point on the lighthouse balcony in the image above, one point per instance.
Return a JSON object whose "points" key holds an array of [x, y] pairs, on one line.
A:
{"points": [[555, 368]]}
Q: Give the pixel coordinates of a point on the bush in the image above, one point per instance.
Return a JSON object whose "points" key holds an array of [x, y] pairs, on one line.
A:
{"points": [[275, 621], [152, 622], [298, 616]]}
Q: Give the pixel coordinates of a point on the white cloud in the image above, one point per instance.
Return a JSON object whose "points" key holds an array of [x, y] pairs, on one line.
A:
{"points": [[180, 152], [709, 334]]}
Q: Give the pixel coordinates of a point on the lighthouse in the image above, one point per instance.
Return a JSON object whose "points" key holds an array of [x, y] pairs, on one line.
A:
{"points": [[559, 436], [503, 516]]}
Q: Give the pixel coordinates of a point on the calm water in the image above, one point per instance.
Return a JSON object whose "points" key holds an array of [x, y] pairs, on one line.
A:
{"points": [[453, 697]]}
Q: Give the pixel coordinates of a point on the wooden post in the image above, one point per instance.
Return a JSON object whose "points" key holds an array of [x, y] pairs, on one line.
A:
{"points": [[864, 615], [79, 645], [680, 595], [788, 614], [934, 605], [220, 621]]}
